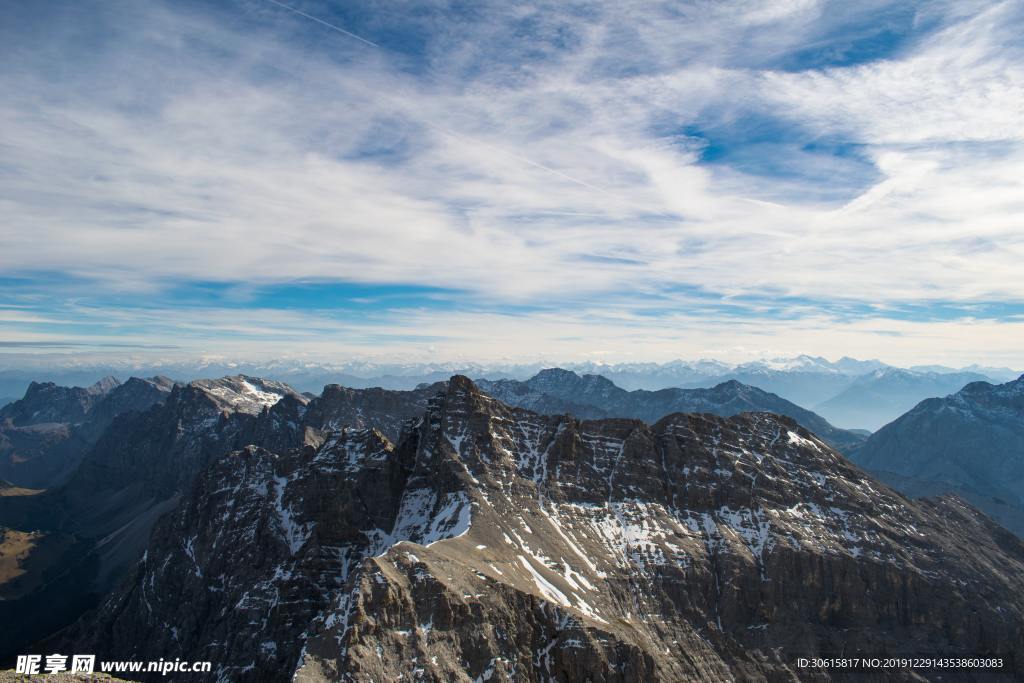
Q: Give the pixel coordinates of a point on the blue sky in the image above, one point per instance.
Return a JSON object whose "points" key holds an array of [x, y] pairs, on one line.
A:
{"points": [[483, 180]]}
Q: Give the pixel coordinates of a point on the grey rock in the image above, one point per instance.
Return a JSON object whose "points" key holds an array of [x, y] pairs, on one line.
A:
{"points": [[556, 391]]}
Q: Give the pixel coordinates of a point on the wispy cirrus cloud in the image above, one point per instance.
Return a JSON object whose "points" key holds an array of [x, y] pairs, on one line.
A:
{"points": [[641, 177]]}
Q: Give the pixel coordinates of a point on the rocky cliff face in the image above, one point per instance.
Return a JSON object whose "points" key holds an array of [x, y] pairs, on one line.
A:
{"points": [[136, 395], [496, 544], [970, 443], [381, 409], [557, 391], [160, 452]]}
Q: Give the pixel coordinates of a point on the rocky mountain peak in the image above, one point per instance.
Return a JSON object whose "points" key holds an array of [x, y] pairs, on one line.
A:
{"points": [[985, 395], [46, 402], [44, 436], [387, 410], [158, 381], [462, 386], [566, 383], [240, 393], [104, 386], [1007, 390], [733, 387], [460, 403], [555, 375]]}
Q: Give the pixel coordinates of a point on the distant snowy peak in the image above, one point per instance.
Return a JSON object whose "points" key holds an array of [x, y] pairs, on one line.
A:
{"points": [[852, 366], [893, 375], [711, 367], [797, 364], [703, 366], [813, 364], [241, 393]]}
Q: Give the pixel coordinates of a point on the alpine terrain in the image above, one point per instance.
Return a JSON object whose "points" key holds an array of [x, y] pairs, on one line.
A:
{"points": [[876, 398], [44, 435], [89, 530], [592, 396], [970, 443], [492, 543]]}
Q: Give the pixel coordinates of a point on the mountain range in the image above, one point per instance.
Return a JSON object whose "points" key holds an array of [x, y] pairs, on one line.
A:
{"points": [[494, 543], [44, 435], [808, 381], [873, 399], [363, 533], [90, 528], [970, 443], [556, 390]]}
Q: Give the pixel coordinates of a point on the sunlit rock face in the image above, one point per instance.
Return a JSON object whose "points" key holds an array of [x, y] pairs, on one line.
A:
{"points": [[495, 544]]}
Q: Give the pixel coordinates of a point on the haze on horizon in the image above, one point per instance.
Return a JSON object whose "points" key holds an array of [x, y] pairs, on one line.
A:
{"points": [[590, 181]]}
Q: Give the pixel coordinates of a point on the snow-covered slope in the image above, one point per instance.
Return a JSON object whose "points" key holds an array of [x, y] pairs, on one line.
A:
{"points": [[240, 393]]}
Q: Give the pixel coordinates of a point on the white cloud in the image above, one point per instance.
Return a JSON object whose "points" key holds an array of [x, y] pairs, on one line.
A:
{"points": [[965, 83], [556, 337], [188, 150]]}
